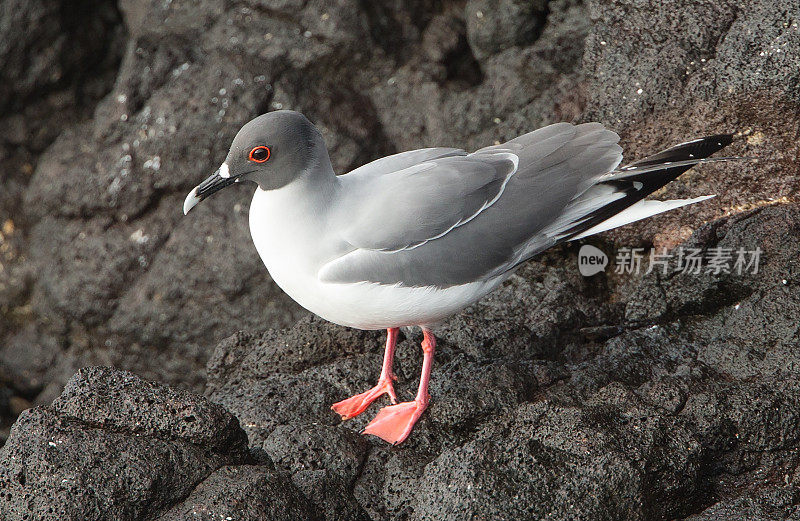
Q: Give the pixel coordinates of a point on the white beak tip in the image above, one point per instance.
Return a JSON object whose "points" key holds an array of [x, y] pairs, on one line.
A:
{"points": [[190, 201]]}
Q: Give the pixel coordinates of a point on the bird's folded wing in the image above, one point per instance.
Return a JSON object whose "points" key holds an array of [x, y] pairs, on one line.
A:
{"points": [[407, 208], [402, 160], [458, 219]]}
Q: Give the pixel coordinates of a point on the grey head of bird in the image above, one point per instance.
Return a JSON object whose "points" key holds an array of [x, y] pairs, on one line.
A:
{"points": [[271, 150]]}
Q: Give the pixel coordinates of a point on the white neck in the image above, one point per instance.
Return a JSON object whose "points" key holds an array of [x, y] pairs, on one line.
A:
{"points": [[308, 194], [295, 214]]}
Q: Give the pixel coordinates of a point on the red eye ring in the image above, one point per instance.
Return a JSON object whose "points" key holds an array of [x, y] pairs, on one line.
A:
{"points": [[257, 154]]}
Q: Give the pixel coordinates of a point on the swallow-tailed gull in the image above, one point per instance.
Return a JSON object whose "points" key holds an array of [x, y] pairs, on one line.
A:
{"points": [[415, 237]]}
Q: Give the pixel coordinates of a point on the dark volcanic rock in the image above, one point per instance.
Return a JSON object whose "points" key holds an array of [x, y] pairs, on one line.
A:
{"points": [[598, 462], [766, 506], [115, 400], [245, 493], [58, 59], [324, 462], [496, 26], [700, 68], [113, 446]]}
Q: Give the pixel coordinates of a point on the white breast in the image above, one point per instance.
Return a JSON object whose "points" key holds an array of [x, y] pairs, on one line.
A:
{"points": [[295, 243]]}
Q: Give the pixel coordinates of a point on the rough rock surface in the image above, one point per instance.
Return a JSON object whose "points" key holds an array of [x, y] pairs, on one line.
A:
{"points": [[243, 492], [617, 396], [137, 450], [724, 67]]}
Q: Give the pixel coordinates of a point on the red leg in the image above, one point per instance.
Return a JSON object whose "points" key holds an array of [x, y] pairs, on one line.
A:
{"points": [[394, 423], [354, 406]]}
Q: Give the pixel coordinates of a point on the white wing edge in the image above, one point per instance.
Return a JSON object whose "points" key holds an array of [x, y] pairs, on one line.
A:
{"points": [[638, 211]]}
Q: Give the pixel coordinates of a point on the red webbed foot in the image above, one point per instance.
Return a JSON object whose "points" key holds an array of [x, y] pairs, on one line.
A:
{"points": [[394, 423], [357, 404], [352, 407]]}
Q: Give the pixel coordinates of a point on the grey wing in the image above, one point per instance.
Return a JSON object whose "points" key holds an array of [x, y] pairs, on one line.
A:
{"points": [[403, 160], [421, 235], [402, 210]]}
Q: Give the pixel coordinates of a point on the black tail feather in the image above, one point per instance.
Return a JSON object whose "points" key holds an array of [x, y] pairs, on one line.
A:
{"points": [[696, 149], [637, 186]]}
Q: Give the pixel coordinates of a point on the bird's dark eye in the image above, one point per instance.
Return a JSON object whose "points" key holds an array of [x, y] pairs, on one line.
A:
{"points": [[259, 154]]}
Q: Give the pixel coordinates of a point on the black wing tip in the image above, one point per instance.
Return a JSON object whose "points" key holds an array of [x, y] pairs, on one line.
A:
{"points": [[707, 146], [721, 139], [717, 140], [695, 149]]}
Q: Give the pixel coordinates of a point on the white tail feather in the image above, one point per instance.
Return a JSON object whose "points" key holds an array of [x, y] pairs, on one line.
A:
{"points": [[638, 211]]}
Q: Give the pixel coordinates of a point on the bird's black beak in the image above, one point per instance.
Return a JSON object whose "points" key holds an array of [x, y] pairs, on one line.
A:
{"points": [[213, 183]]}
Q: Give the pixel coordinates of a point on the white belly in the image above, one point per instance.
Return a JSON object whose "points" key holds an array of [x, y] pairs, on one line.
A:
{"points": [[363, 305]]}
